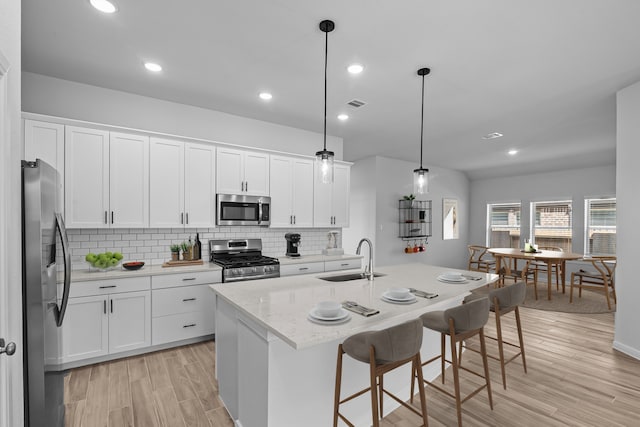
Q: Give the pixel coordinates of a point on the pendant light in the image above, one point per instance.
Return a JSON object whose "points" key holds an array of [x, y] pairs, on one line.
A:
{"points": [[324, 158], [421, 175]]}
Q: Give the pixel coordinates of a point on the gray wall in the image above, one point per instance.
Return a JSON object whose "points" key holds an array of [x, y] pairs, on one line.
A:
{"points": [[62, 98], [10, 246], [377, 185], [627, 338], [571, 184]]}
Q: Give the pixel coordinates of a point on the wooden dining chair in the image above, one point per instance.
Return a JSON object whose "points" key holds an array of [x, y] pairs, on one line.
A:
{"points": [[479, 259], [600, 279], [556, 269]]}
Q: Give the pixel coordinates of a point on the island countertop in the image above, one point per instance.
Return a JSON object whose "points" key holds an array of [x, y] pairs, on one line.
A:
{"points": [[281, 305]]}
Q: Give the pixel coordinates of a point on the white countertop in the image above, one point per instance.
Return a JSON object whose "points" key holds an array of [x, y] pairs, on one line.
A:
{"points": [[147, 270], [281, 305], [155, 270]]}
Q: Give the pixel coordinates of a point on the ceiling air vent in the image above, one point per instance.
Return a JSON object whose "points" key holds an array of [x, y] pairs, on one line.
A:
{"points": [[355, 103]]}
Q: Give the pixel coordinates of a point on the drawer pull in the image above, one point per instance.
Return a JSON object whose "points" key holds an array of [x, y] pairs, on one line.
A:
{"points": [[188, 299], [344, 264], [109, 286], [191, 325], [303, 268], [188, 278]]}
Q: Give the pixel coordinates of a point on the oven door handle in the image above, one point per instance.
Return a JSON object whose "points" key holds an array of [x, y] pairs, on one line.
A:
{"points": [[259, 213]]}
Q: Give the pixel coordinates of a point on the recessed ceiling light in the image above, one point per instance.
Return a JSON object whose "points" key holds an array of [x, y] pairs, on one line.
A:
{"points": [[355, 68], [512, 152], [492, 135], [265, 95], [342, 117], [152, 66], [104, 6]]}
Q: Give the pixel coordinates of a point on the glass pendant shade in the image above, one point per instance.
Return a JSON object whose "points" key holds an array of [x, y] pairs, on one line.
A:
{"points": [[420, 181], [324, 166]]}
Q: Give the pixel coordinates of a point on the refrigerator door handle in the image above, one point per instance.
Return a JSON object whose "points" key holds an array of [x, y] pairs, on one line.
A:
{"points": [[67, 269]]}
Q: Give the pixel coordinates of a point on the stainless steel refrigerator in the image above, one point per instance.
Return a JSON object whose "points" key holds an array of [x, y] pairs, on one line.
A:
{"points": [[43, 309]]}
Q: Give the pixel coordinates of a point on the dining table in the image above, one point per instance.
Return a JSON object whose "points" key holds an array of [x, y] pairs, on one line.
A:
{"points": [[549, 257]]}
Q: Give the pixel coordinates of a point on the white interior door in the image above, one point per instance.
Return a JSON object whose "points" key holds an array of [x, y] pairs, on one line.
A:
{"points": [[10, 297]]}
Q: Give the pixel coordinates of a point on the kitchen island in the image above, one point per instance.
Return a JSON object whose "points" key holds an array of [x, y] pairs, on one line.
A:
{"points": [[277, 368]]}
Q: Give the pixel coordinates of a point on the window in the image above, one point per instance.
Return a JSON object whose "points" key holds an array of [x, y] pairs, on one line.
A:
{"points": [[503, 225], [600, 226], [551, 224]]}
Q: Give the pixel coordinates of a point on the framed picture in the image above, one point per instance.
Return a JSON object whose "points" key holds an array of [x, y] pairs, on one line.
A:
{"points": [[449, 219]]}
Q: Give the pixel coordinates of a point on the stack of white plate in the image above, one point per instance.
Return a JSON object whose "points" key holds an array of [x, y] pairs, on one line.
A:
{"points": [[393, 298], [342, 317], [452, 277]]}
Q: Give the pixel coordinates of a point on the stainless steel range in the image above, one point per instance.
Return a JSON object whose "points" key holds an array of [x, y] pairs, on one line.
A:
{"points": [[242, 259]]}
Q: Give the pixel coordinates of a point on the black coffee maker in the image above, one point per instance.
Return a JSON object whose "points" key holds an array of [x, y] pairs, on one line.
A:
{"points": [[293, 241]]}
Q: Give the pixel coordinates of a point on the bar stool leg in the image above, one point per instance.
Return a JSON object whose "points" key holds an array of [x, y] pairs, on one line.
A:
{"points": [[374, 388], [456, 378], [483, 349], [442, 355], [500, 344], [519, 325], [336, 399], [423, 396]]}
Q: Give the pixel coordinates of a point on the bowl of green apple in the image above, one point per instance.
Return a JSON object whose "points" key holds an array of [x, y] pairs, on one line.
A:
{"points": [[104, 261]]}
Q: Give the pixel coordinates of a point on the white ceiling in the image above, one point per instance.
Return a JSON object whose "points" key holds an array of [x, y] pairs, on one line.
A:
{"points": [[544, 73]]}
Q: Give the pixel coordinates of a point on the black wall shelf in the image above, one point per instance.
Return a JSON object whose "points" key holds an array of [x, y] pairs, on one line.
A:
{"points": [[414, 219]]}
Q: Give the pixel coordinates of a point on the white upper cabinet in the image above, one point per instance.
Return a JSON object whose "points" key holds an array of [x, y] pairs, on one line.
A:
{"points": [[45, 141], [199, 188], [166, 183], [86, 179], [331, 201], [129, 180], [106, 179], [291, 181], [181, 185], [242, 172]]}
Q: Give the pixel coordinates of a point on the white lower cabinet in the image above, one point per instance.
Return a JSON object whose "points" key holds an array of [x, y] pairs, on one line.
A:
{"points": [[303, 268], [183, 306], [106, 317], [182, 313]]}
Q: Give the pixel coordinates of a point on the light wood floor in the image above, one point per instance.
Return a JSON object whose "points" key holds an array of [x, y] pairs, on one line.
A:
{"points": [[574, 379]]}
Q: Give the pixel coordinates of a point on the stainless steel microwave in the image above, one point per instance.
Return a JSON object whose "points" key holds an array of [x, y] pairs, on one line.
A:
{"points": [[243, 210]]}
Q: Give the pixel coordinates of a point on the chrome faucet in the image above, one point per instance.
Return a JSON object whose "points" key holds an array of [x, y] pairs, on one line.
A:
{"points": [[368, 270]]}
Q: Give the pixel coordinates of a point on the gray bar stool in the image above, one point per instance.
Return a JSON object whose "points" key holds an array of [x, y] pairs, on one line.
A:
{"points": [[384, 351], [503, 301], [460, 323]]}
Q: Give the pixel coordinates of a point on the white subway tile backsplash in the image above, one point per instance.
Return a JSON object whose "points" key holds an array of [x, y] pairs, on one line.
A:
{"points": [[152, 245]]}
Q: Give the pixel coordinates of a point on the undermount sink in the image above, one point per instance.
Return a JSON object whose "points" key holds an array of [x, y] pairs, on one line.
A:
{"points": [[347, 277]]}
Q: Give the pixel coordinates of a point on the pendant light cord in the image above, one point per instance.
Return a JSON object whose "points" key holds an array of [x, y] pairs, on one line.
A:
{"points": [[326, 54], [421, 122]]}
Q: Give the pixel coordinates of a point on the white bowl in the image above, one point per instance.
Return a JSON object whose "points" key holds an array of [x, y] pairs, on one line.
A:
{"points": [[398, 293], [328, 308], [452, 275]]}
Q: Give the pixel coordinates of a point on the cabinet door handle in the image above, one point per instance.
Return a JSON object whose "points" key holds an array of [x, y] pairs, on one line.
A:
{"points": [[111, 301], [294, 219], [182, 218], [187, 215], [105, 217], [246, 186], [104, 306], [188, 299], [111, 217], [190, 325], [188, 278], [107, 286]]}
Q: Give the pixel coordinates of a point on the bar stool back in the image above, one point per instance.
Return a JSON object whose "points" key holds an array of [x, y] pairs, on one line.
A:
{"points": [[460, 323], [384, 351]]}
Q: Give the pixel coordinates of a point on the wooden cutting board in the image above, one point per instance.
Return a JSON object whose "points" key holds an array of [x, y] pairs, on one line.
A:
{"points": [[183, 263]]}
